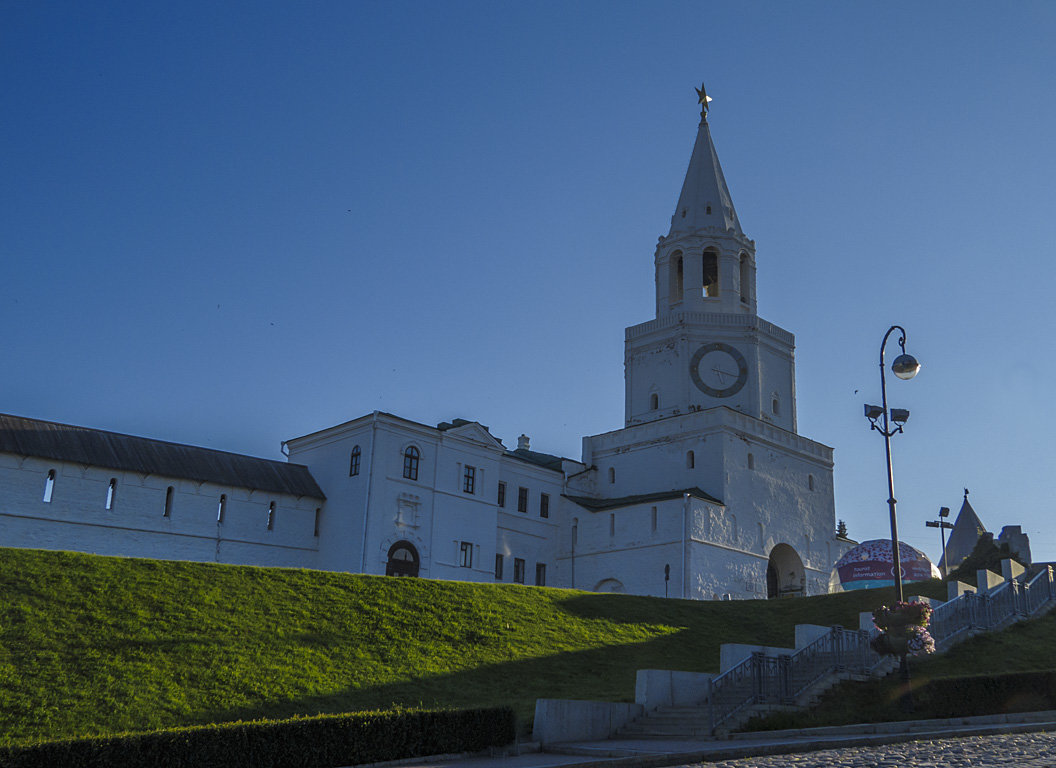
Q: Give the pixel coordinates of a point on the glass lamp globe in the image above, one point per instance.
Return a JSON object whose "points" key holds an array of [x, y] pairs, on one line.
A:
{"points": [[905, 366]]}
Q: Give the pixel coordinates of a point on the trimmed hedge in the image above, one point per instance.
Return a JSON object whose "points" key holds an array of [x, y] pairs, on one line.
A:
{"points": [[987, 694], [324, 741]]}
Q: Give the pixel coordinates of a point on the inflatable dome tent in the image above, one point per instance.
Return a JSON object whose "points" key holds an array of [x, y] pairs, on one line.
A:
{"points": [[869, 566]]}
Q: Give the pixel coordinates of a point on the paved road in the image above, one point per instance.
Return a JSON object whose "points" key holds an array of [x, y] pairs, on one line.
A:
{"points": [[1022, 750]]}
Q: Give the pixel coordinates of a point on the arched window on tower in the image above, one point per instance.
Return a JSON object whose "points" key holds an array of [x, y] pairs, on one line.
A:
{"points": [[410, 463], [676, 271], [353, 462], [710, 288], [775, 405], [745, 278]]}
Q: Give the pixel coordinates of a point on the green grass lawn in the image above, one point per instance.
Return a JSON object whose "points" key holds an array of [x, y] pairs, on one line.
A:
{"points": [[94, 645]]}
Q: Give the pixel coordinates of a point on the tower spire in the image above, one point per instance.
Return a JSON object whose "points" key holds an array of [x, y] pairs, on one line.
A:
{"points": [[705, 200]]}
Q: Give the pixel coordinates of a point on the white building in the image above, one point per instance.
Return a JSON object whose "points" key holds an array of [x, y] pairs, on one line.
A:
{"points": [[707, 491]]}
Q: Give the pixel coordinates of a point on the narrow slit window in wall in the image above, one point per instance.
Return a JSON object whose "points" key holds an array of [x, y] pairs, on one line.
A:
{"points": [[271, 516], [745, 272], [169, 493], [49, 486], [653, 526], [810, 482], [679, 277], [221, 509], [612, 524], [111, 493], [691, 460], [318, 515], [498, 566], [751, 461], [654, 402], [612, 475]]}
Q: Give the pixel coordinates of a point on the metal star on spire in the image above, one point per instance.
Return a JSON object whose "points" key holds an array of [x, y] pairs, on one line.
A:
{"points": [[703, 99]]}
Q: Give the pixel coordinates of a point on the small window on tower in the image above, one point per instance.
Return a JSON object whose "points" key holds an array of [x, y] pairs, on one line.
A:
{"points": [[776, 406], [654, 402], [353, 462], [745, 272], [691, 460], [710, 288], [708, 210], [612, 475], [676, 277]]}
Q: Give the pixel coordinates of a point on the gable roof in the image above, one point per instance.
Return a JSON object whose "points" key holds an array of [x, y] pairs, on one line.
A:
{"points": [[597, 505], [81, 445]]}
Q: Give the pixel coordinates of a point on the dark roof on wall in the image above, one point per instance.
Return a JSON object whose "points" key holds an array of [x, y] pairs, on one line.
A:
{"points": [[597, 505], [81, 445], [549, 461]]}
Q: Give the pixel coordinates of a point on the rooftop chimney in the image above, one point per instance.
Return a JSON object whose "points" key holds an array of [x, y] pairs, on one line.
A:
{"points": [[522, 443]]}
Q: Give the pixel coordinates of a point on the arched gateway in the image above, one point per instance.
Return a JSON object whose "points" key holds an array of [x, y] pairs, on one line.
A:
{"points": [[784, 573]]}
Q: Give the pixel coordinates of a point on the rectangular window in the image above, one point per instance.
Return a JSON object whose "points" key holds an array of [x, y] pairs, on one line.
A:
{"points": [[318, 514], [111, 493], [499, 559], [49, 486], [544, 505], [522, 499], [612, 524], [465, 555], [271, 516], [518, 570], [540, 574], [502, 494], [654, 520], [169, 492], [469, 479]]}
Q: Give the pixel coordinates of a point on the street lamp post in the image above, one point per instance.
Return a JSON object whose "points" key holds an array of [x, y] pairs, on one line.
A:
{"points": [[905, 366], [943, 526]]}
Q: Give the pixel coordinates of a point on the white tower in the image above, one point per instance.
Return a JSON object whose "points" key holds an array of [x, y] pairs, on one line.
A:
{"points": [[707, 346]]}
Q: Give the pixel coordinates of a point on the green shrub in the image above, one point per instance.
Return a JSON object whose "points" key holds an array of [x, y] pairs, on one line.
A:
{"points": [[987, 694], [312, 742]]}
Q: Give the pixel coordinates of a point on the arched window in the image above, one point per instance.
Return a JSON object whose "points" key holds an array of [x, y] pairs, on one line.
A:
{"points": [[654, 401], [612, 475], [353, 462], [690, 460], [221, 509], [745, 278], [775, 405], [676, 271], [111, 493], [403, 560], [710, 288], [410, 463]]}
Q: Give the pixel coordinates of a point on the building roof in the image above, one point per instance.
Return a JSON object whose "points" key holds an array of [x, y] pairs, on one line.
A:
{"points": [[598, 505], [705, 200], [81, 445], [545, 460], [967, 529]]}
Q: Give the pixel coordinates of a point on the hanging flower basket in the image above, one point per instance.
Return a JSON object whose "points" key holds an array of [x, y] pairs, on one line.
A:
{"points": [[903, 629]]}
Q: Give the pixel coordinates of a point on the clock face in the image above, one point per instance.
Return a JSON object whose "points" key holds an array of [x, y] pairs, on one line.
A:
{"points": [[718, 370]]}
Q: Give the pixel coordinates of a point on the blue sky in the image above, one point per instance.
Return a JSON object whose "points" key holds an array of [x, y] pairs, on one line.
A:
{"points": [[233, 224]]}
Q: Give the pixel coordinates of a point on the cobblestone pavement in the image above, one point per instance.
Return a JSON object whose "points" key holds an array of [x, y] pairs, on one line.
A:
{"points": [[1022, 750]]}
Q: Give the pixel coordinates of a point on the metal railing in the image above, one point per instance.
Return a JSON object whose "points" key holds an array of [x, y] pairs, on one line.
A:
{"points": [[763, 679]]}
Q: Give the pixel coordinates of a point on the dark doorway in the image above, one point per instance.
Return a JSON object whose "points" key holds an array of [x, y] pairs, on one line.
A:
{"points": [[403, 560]]}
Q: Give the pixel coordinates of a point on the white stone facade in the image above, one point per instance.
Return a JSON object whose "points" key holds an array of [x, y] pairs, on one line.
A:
{"points": [[707, 492]]}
